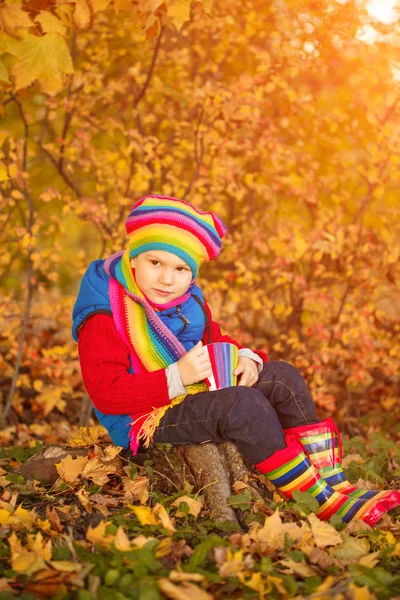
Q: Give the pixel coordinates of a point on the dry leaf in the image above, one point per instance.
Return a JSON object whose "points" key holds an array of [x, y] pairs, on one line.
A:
{"points": [[301, 569], [160, 512], [180, 576], [324, 534], [97, 535], [98, 472], [136, 490], [86, 436], [121, 541], [70, 468], [84, 499], [144, 515], [195, 506], [185, 591]]}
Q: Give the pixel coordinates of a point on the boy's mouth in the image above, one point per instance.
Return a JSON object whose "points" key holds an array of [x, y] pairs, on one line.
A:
{"points": [[162, 292]]}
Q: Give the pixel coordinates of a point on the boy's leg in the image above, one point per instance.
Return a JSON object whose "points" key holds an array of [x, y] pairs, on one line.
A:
{"points": [[285, 389], [238, 414]]}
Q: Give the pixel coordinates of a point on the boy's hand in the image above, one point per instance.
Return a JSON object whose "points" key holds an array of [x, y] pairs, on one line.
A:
{"points": [[195, 365], [247, 370]]}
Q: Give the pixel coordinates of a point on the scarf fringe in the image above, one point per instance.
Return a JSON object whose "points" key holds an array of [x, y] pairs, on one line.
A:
{"points": [[152, 419]]}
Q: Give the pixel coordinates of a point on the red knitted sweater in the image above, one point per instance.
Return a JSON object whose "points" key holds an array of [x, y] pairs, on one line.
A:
{"points": [[104, 360]]}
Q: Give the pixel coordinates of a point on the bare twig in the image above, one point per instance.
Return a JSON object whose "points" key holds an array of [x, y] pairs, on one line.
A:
{"points": [[28, 303], [150, 71]]}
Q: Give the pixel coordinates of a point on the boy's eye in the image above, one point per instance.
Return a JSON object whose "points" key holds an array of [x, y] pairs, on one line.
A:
{"points": [[155, 262], [181, 269]]}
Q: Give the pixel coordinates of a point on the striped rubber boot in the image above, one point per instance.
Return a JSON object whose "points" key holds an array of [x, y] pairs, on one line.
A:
{"points": [[320, 442], [290, 469]]}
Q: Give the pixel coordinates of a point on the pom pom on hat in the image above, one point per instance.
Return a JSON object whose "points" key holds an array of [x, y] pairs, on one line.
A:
{"points": [[172, 225]]}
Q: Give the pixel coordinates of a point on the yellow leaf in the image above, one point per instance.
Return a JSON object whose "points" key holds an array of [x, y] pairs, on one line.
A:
{"points": [[50, 399], [180, 576], [70, 468], [86, 436], [65, 566], [13, 17], [144, 515], [136, 490], [97, 535], [164, 548], [160, 512], [141, 540], [98, 5], [46, 59], [22, 515], [39, 546], [82, 16], [22, 559], [84, 498], [179, 12], [195, 506], [110, 452], [49, 23], [360, 593], [3, 77], [4, 516], [369, 560], [271, 536], [3, 172], [97, 471], [186, 591], [324, 534], [121, 541], [301, 569]]}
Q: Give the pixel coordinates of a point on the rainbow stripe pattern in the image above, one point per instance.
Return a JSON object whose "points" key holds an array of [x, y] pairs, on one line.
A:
{"points": [[290, 469], [323, 445], [224, 359], [172, 225]]}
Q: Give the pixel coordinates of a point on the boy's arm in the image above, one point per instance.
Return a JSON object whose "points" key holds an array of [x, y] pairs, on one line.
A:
{"points": [[217, 336], [104, 360]]}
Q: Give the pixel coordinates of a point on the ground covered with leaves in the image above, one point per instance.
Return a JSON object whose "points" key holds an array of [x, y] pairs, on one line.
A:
{"points": [[104, 530]]}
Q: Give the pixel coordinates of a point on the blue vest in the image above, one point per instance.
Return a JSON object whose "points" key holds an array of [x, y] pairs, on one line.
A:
{"points": [[187, 323]]}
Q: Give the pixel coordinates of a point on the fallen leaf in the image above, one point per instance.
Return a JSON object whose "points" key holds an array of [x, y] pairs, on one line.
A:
{"points": [[84, 498], [98, 472], [144, 515], [185, 591], [180, 576], [136, 490], [86, 436], [369, 560], [324, 534], [97, 535], [121, 541], [352, 548], [301, 569], [160, 512], [195, 506], [70, 468]]}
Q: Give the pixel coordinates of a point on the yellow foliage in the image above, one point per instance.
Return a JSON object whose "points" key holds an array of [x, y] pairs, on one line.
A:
{"points": [[46, 59], [70, 468]]}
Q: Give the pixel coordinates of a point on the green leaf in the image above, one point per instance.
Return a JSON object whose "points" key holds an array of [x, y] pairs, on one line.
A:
{"points": [[242, 501], [352, 548], [201, 551], [149, 590], [305, 502]]}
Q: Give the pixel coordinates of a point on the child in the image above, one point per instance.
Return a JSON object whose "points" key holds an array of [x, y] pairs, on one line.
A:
{"points": [[141, 322]]}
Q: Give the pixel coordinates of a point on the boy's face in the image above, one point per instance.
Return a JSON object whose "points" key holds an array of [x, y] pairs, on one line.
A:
{"points": [[162, 276]]}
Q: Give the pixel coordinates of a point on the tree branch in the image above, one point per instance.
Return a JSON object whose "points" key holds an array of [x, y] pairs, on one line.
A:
{"points": [[150, 72]]}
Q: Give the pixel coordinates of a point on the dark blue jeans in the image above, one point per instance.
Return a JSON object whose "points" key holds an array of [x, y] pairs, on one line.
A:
{"points": [[252, 418]]}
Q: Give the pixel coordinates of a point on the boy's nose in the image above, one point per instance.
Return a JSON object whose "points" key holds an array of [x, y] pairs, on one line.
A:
{"points": [[167, 278]]}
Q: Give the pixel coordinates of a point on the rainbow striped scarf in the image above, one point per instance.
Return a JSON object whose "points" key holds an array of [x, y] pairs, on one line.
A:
{"points": [[152, 345]]}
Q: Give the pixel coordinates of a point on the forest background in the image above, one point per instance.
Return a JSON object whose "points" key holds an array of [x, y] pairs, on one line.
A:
{"points": [[280, 116]]}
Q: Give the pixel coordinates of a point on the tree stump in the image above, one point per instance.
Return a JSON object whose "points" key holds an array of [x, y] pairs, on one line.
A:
{"points": [[207, 468]]}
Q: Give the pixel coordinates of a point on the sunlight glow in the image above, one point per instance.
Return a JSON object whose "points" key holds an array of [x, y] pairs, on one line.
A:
{"points": [[384, 11]]}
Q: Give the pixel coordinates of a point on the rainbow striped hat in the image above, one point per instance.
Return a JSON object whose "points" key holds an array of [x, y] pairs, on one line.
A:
{"points": [[163, 223]]}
